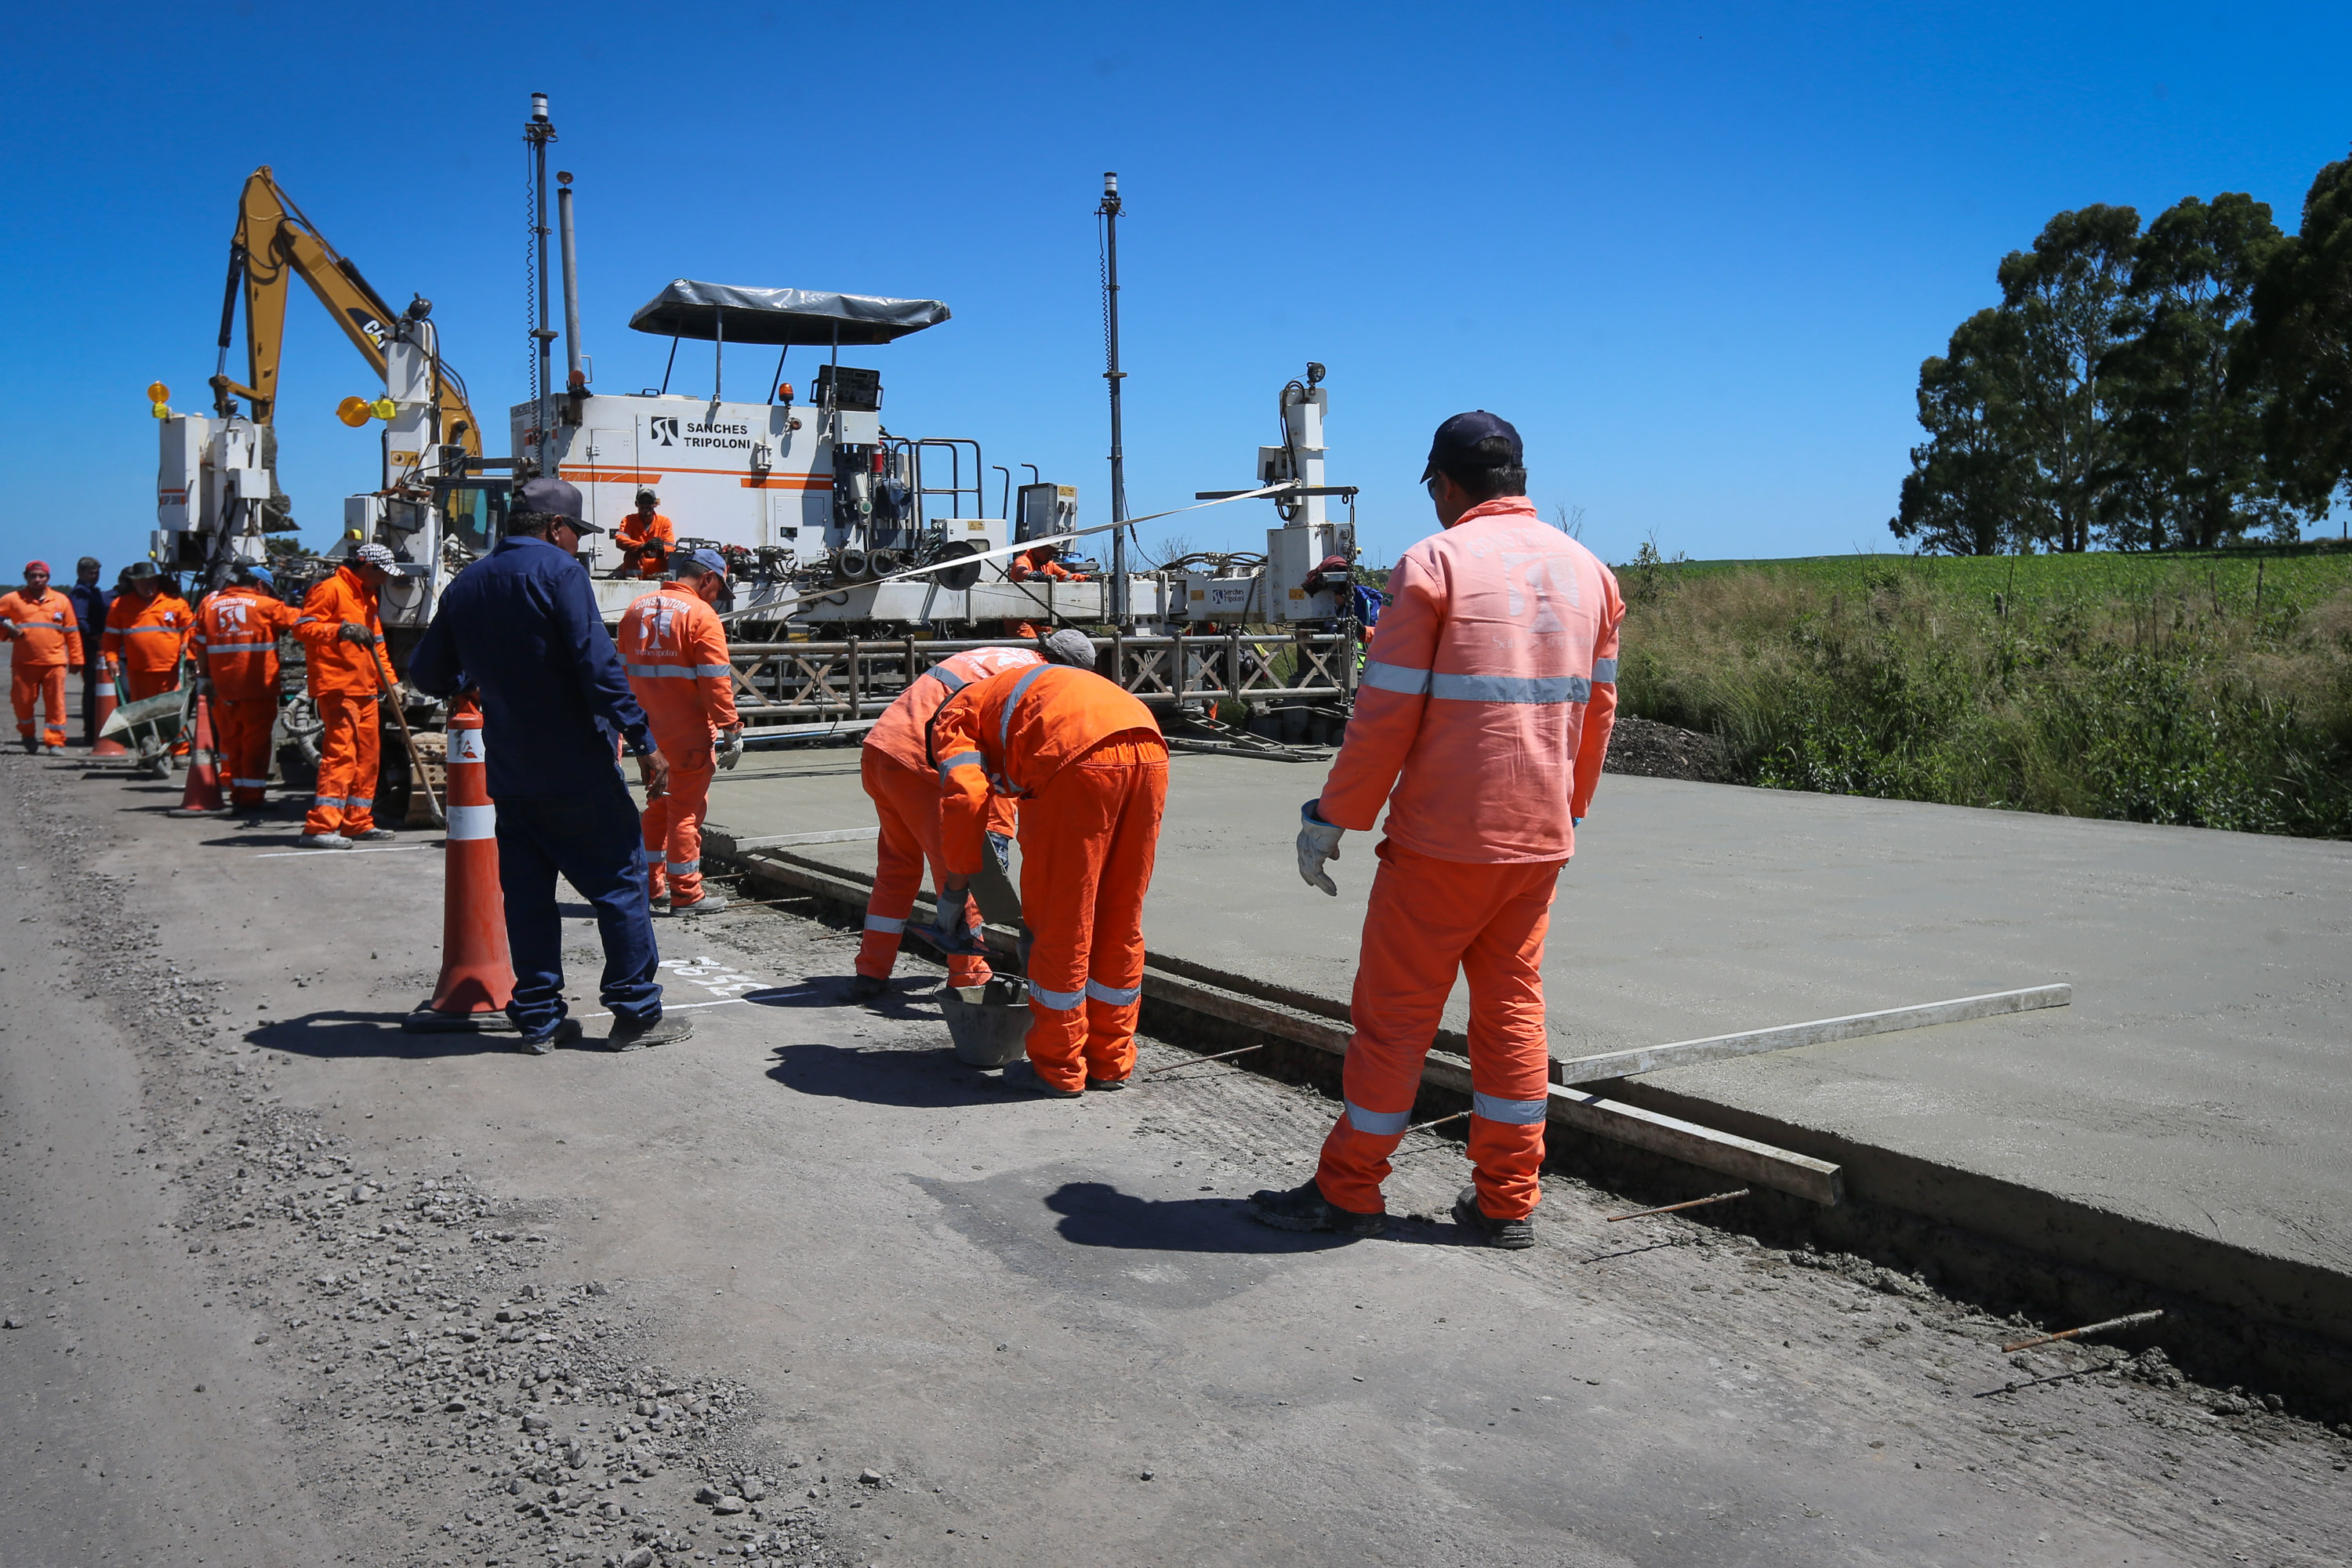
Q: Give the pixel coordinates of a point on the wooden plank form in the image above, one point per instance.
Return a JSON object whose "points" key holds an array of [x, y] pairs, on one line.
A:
{"points": [[1853, 1027]]}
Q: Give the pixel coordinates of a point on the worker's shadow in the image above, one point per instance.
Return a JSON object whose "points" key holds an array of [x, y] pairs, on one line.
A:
{"points": [[1095, 1214], [917, 1080], [335, 1036]]}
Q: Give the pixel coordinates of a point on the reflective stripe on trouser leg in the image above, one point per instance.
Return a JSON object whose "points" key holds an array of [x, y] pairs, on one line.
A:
{"points": [[1427, 920], [689, 803], [348, 756], [653, 833], [906, 805], [241, 730], [1088, 840]]}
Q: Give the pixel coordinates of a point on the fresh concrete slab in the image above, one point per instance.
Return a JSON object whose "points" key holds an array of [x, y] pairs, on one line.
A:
{"points": [[2200, 1082]]}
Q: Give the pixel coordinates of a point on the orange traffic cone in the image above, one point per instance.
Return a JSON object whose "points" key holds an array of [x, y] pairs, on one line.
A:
{"points": [[107, 746], [203, 795], [476, 974]]}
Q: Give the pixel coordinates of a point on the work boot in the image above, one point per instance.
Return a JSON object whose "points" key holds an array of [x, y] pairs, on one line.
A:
{"points": [[628, 1036], [709, 903], [30, 745], [1306, 1208], [566, 1030], [1022, 1078], [1508, 1233], [866, 987], [1108, 1085], [323, 841], [373, 835], [53, 750]]}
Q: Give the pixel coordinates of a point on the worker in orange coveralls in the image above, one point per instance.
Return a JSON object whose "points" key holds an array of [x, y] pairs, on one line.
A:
{"points": [[645, 537], [674, 649], [343, 639], [43, 642], [1086, 761], [1041, 561], [904, 784], [236, 642], [1481, 722], [146, 631]]}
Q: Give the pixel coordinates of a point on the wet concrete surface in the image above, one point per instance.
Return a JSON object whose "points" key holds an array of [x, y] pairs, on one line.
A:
{"points": [[2201, 1081], [1044, 1328]]}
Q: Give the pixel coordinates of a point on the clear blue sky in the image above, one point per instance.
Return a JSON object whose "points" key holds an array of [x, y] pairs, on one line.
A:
{"points": [[1694, 252]]}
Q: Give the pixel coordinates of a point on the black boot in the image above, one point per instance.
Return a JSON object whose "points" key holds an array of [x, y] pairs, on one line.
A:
{"points": [[1508, 1233], [1306, 1208]]}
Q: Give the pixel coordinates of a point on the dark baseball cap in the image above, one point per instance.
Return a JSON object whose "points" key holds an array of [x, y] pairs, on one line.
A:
{"points": [[1454, 447], [555, 498]]}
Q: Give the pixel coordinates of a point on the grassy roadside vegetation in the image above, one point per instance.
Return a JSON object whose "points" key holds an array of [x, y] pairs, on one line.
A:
{"points": [[2207, 688]]}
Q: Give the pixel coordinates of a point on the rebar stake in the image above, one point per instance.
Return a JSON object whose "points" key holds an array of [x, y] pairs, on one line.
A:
{"points": [[1670, 1208]]}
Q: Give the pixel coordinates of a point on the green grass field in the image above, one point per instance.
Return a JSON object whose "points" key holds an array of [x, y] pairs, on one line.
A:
{"points": [[2211, 689]]}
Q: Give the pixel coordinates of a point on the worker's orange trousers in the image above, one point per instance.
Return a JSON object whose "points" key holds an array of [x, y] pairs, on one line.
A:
{"points": [[1428, 920], [45, 685], [1087, 841], [672, 826], [241, 728], [349, 760], [907, 805]]}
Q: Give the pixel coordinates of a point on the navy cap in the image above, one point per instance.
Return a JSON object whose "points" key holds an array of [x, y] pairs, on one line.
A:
{"points": [[1454, 447], [555, 498]]}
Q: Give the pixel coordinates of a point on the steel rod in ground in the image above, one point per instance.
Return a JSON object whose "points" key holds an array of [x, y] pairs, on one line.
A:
{"points": [[2129, 1320], [1196, 1062], [1440, 1122], [1671, 1209]]}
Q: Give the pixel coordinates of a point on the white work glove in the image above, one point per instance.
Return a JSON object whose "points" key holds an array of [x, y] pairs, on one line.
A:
{"points": [[730, 747], [1317, 841]]}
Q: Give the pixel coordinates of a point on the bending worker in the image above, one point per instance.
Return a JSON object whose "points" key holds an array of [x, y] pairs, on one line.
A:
{"points": [[646, 538], [146, 631], [43, 641], [237, 630], [343, 637], [673, 647], [1481, 722], [895, 765], [1086, 761]]}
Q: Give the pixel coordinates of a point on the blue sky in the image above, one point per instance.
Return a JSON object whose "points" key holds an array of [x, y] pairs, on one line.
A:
{"points": [[1696, 253]]}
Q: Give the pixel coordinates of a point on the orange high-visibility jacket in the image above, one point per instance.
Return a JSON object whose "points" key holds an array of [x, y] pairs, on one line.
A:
{"points": [[148, 635], [674, 649], [1012, 732], [1037, 562], [336, 667], [1491, 686], [633, 533], [42, 632], [235, 642], [902, 733]]}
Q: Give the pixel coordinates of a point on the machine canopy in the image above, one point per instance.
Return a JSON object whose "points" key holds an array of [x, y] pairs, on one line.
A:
{"points": [[782, 316]]}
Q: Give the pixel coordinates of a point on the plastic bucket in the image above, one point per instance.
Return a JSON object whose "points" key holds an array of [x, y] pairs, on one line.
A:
{"points": [[987, 1022]]}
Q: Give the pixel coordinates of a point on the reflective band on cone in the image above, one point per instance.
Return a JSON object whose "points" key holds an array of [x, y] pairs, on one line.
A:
{"points": [[203, 795], [102, 711], [476, 973]]}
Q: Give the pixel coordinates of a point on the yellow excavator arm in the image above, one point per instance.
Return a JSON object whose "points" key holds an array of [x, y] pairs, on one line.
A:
{"points": [[276, 242]]}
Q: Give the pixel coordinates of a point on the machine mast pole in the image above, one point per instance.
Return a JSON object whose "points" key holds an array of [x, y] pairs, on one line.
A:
{"points": [[539, 132], [1108, 212]]}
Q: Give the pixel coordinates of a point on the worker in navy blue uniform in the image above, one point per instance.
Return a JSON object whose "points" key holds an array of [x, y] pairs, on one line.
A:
{"points": [[90, 604], [521, 627]]}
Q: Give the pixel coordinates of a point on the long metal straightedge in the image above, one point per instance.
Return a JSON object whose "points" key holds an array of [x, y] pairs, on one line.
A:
{"points": [[1853, 1027]]}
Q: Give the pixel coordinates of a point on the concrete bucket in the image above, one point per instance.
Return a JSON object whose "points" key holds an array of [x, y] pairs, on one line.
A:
{"points": [[986, 1022]]}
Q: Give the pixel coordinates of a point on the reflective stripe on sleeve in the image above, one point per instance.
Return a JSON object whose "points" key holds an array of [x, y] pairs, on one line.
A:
{"points": [[962, 759], [885, 923], [1058, 1001], [656, 672], [1521, 688], [1004, 729], [703, 670], [1394, 677], [947, 678], [1518, 1113], [1377, 1124], [467, 823], [1604, 672], [1114, 995]]}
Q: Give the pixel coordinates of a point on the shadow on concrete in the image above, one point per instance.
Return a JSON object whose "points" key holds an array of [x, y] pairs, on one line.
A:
{"points": [[1095, 1214], [827, 991], [332, 1036], [918, 1081]]}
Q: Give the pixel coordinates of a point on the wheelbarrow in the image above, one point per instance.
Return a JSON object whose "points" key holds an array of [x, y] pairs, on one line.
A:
{"points": [[149, 727]]}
